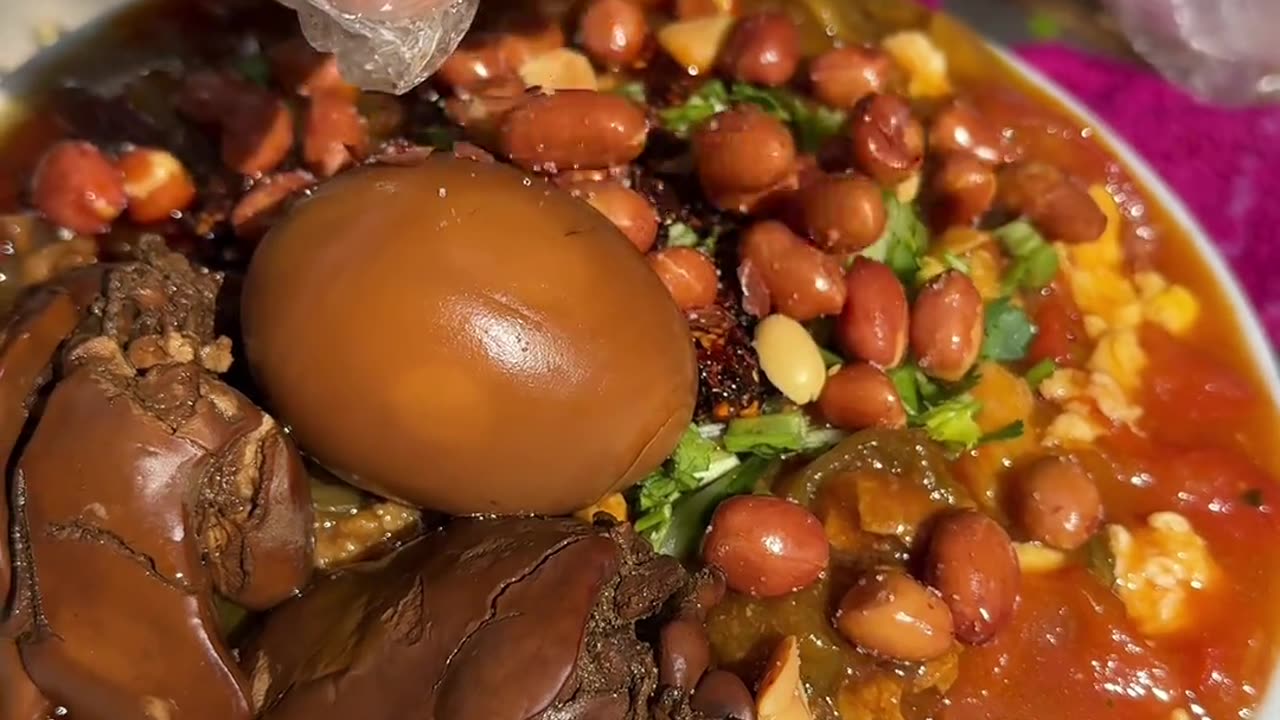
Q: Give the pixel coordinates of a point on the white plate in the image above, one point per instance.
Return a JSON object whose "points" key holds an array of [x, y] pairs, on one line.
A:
{"points": [[22, 23]]}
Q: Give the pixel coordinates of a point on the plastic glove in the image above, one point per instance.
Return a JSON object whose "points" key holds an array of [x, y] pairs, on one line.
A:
{"points": [[387, 45], [1224, 51]]}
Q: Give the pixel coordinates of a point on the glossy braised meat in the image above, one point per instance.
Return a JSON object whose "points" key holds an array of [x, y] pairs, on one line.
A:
{"points": [[504, 619], [143, 486]]}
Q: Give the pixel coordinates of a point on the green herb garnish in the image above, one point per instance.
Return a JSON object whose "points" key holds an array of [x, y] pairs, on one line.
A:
{"points": [[811, 123], [1035, 262], [1040, 372], [1009, 332], [776, 434], [904, 241], [688, 518], [946, 411], [711, 98], [953, 423], [633, 91], [681, 235], [695, 461]]}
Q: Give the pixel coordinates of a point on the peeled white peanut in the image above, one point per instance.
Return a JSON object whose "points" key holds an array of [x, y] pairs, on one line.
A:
{"points": [[781, 695], [790, 358]]}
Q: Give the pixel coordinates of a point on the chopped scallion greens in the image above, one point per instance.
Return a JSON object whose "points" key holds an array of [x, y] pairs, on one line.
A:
{"points": [[1035, 262], [947, 412], [695, 461], [1012, 431], [829, 358], [1041, 372], [811, 123], [633, 91], [681, 235], [953, 423], [687, 519], [904, 241], [1009, 331], [776, 434]]}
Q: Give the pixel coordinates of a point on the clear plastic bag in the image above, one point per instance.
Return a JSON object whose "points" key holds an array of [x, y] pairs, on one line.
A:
{"points": [[1224, 51], [387, 45]]}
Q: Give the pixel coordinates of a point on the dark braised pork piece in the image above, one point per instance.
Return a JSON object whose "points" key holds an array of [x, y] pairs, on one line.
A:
{"points": [[506, 619], [143, 484]]}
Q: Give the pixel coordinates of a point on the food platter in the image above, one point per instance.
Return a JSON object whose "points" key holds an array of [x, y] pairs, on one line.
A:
{"points": [[872, 467]]}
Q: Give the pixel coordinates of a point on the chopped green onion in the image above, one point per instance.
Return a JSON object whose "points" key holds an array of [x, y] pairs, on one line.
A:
{"points": [[829, 358], [1035, 262], [812, 123], [954, 423], [1040, 372], [687, 519], [633, 91], [903, 242], [1012, 431]]}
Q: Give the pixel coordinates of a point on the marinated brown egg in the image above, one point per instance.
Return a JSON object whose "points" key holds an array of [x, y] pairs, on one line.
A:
{"points": [[463, 337]]}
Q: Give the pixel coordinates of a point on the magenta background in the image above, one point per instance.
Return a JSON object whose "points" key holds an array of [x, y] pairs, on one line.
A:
{"points": [[1224, 163]]}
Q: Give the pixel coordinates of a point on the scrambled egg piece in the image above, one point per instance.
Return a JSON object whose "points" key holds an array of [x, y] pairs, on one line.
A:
{"points": [[1114, 305], [1158, 568], [924, 62], [1090, 401], [1111, 299], [1172, 307]]}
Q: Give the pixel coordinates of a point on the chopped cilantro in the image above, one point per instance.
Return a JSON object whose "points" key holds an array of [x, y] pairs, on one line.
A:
{"points": [[946, 411], [633, 91], [695, 461], [711, 98], [904, 380], [776, 434], [681, 235], [1019, 237], [953, 423], [1041, 372], [254, 68], [816, 125], [811, 123], [688, 518], [954, 262], [1008, 332], [1035, 262], [904, 240], [1012, 431]]}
